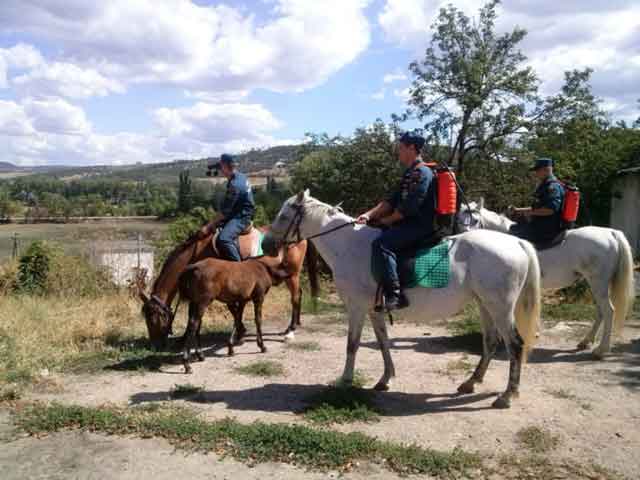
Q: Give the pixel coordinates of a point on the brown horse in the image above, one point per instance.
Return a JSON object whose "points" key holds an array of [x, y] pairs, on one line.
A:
{"points": [[156, 307], [232, 283]]}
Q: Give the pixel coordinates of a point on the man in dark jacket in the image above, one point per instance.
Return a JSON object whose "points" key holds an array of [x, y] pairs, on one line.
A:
{"points": [[408, 212], [542, 221], [236, 212]]}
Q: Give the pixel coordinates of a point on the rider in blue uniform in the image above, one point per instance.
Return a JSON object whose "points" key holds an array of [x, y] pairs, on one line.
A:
{"points": [[409, 213], [236, 212], [542, 221]]}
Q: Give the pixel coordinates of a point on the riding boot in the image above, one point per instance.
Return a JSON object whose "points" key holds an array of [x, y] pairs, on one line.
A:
{"points": [[394, 299]]}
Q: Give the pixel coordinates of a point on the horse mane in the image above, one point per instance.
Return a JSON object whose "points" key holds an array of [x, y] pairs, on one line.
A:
{"points": [[179, 249]]}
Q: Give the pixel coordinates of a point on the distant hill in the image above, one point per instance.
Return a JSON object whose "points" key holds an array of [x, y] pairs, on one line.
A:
{"points": [[167, 172]]}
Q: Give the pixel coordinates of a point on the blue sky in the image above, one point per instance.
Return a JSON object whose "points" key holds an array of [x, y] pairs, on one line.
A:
{"points": [[126, 81]]}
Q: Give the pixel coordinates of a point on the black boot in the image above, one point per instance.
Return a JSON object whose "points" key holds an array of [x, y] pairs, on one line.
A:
{"points": [[394, 299]]}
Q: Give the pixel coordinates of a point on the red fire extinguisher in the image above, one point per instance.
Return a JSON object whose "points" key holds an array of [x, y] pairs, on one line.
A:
{"points": [[571, 203], [447, 192]]}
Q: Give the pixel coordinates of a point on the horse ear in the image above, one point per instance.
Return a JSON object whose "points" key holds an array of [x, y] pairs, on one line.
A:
{"points": [[143, 296]]}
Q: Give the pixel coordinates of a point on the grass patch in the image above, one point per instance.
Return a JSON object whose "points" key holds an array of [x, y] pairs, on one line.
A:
{"points": [[341, 405], [561, 393], [468, 322], [536, 439], [184, 391], [540, 468], [304, 346], [568, 312], [254, 443], [319, 306], [457, 367], [262, 368], [360, 379]]}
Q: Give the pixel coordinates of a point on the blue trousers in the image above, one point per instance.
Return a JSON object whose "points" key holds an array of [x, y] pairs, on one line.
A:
{"points": [[389, 244], [227, 242]]}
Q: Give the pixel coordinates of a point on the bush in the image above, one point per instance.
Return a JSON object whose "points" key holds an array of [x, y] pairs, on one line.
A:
{"points": [[34, 267], [45, 270]]}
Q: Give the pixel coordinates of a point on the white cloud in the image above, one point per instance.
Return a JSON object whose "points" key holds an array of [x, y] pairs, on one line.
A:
{"points": [[202, 48], [403, 93], [66, 80], [562, 36], [18, 57], [379, 95], [53, 131], [394, 77]]}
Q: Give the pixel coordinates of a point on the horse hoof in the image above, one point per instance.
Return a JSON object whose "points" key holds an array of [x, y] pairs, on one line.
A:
{"points": [[187, 370], [501, 402], [599, 354], [290, 337], [200, 357], [583, 346], [381, 387], [466, 388], [263, 349]]}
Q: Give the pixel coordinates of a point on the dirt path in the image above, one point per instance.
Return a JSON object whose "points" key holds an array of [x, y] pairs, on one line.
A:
{"points": [[593, 407]]}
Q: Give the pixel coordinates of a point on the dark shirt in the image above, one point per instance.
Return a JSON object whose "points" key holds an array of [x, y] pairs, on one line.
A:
{"points": [[238, 200], [415, 197], [549, 194]]}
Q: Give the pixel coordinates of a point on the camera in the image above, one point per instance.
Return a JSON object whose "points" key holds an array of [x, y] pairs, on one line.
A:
{"points": [[213, 169]]}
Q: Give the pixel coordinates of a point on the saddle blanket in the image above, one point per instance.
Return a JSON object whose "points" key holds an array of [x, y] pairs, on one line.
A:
{"points": [[425, 267]]}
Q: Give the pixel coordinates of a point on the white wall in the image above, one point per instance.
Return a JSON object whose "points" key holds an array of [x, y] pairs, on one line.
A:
{"points": [[122, 264], [625, 211]]}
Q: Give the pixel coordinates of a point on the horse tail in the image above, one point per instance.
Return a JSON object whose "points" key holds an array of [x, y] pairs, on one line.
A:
{"points": [[528, 305], [621, 287], [311, 260]]}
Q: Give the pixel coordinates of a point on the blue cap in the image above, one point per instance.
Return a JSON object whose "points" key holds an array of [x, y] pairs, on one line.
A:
{"points": [[227, 159], [542, 163], [412, 138]]}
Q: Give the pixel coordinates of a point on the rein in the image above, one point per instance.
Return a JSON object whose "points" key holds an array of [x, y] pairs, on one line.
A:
{"points": [[297, 220]]}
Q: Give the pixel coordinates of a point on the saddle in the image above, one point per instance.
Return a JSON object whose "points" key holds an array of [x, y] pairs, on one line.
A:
{"points": [[249, 242], [554, 242]]}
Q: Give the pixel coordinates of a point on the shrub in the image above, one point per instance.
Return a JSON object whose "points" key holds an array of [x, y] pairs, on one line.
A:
{"points": [[34, 267]]}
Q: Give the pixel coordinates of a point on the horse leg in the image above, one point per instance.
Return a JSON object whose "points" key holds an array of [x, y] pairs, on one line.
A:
{"points": [[515, 345], [380, 329], [239, 330], [188, 337], [199, 355], [293, 284], [600, 290], [489, 345], [356, 322], [257, 308]]}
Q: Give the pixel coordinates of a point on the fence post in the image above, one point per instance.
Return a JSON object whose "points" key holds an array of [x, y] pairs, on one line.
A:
{"points": [[15, 252]]}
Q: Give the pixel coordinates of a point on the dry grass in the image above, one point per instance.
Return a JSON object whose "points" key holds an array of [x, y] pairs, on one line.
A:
{"points": [[59, 334]]}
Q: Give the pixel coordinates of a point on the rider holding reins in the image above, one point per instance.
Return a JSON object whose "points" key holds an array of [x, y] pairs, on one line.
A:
{"points": [[237, 209], [409, 212]]}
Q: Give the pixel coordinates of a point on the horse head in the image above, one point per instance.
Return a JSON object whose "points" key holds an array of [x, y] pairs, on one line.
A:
{"points": [[469, 217], [286, 227]]}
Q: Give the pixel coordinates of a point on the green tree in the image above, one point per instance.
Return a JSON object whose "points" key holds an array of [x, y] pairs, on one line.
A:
{"points": [[185, 193], [472, 88], [355, 170]]}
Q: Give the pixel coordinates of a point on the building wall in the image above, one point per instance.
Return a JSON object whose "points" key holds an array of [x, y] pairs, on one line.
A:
{"points": [[625, 211], [122, 265]]}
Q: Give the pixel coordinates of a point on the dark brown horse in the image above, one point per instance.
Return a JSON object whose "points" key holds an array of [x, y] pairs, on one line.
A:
{"points": [[232, 283], [157, 309]]}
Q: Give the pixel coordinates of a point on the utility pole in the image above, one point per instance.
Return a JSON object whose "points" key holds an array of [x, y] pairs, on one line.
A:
{"points": [[14, 253]]}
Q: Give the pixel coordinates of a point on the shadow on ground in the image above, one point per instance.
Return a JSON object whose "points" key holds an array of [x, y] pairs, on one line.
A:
{"points": [[291, 398]]}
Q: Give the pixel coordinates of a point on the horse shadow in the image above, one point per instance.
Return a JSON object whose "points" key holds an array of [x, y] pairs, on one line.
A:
{"points": [[294, 398], [214, 345]]}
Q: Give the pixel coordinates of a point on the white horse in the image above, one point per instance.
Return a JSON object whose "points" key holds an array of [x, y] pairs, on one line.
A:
{"points": [[499, 271], [602, 256]]}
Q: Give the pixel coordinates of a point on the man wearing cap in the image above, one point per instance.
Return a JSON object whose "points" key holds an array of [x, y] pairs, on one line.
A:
{"points": [[236, 212], [542, 221], [408, 212]]}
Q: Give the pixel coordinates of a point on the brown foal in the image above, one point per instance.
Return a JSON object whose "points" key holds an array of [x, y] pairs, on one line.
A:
{"points": [[232, 283]]}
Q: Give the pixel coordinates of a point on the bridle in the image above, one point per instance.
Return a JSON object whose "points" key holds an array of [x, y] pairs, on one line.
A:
{"points": [[296, 221]]}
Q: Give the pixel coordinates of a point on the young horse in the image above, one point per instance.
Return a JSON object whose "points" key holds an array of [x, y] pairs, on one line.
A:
{"points": [[499, 271], [602, 256], [233, 283], [156, 307]]}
